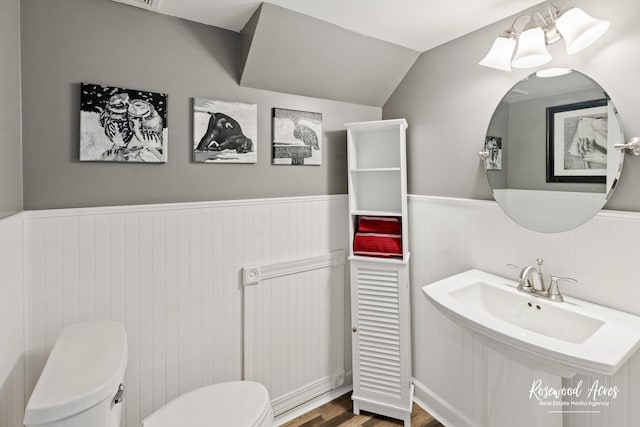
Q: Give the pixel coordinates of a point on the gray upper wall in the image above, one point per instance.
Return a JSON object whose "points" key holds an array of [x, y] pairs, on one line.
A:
{"points": [[10, 129], [295, 53], [448, 100], [66, 42]]}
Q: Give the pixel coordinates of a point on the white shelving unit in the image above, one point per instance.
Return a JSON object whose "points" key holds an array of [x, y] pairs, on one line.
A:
{"points": [[380, 307]]}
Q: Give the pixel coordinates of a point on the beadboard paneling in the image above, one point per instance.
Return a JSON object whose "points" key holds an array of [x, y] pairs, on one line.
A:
{"points": [[294, 329], [12, 326], [454, 235], [172, 275]]}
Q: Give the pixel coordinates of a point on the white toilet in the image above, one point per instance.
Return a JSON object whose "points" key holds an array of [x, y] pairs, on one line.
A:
{"points": [[231, 404], [81, 386]]}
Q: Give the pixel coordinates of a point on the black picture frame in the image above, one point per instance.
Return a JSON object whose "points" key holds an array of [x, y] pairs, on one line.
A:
{"points": [[558, 125]]}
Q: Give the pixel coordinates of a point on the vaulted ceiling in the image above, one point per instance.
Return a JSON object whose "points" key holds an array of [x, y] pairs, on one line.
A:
{"points": [[355, 51], [417, 24]]}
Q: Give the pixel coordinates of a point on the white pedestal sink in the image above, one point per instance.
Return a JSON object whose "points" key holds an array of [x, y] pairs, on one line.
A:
{"points": [[563, 338]]}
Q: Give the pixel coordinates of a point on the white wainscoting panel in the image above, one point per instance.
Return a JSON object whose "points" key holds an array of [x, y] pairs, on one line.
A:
{"points": [[172, 274], [12, 327], [294, 328], [452, 368]]}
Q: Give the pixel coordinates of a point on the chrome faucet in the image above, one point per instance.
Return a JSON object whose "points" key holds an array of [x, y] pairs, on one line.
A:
{"points": [[529, 280], [532, 281]]}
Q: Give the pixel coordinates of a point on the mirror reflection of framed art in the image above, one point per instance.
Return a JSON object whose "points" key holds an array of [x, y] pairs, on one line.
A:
{"points": [[577, 142], [493, 148]]}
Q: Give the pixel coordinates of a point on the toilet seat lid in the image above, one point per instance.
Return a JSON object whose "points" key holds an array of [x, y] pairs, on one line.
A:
{"points": [[238, 403]]}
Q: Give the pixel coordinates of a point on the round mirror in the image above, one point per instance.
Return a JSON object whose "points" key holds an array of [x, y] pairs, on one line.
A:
{"points": [[549, 153]]}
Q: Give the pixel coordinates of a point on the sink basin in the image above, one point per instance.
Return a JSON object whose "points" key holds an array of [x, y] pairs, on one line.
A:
{"points": [[564, 338]]}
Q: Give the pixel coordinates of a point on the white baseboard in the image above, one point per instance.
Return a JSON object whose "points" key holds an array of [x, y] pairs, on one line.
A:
{"points": [[424, 397], [438, 408], [301, 396], [311, 405]]}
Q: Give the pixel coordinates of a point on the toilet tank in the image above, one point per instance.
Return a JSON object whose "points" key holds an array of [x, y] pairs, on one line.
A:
{"points": [[81, 384]]}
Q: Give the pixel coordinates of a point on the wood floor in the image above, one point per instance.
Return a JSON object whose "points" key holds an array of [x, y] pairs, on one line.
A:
{"points": [[338, 413]]}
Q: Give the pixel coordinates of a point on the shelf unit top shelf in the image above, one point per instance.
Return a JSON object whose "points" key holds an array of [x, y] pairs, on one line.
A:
{"points": [[358, 170], [371, 126]]}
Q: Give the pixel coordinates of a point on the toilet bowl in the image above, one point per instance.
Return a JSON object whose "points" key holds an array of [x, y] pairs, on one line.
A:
{"points": [[231, 404], [81, 383]]}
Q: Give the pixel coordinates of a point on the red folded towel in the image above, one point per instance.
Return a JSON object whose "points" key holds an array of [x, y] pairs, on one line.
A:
{"points": [[379, 224], [377, 245]]}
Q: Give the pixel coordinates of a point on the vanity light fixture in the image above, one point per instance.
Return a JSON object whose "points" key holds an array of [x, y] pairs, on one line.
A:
{"points": [[576, 27]]}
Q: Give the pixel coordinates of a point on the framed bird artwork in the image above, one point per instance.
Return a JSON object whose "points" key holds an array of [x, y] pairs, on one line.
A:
{"points": [[122, 125], [297, 137]]}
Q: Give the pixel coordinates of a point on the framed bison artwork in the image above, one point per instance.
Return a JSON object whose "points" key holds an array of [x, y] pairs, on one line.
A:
{"points": [[122, 125], [297, 137], [224, 132]]}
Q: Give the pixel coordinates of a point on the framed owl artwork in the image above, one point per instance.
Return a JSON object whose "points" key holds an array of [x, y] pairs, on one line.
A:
{"points": [[122, 125]]}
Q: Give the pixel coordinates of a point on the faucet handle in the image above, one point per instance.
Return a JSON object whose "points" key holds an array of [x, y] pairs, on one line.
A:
{"points": [[554, 289], [563, 279]]}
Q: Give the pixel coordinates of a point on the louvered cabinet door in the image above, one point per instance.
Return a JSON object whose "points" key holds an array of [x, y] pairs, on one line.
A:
{"points": [[381, 338]]}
